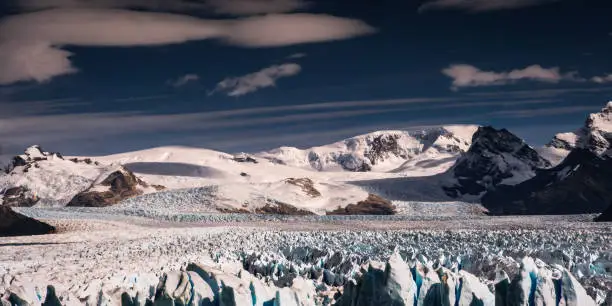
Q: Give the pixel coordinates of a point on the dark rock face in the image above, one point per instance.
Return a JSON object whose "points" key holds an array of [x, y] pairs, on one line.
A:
{"points": [[14, 224], [306, 184], [17, 197], [580, 184], [382, 146], [606, 216], [495, 155], [121, 184], [243, 158], [373, 205], [279, 208]]}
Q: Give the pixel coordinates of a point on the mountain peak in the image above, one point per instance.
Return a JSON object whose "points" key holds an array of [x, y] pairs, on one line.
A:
{"points": [[595, 135], [380, 151], [495, 157]]}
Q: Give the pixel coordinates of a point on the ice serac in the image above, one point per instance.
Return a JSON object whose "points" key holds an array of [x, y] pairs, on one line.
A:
{"points": [[380, 151], [595, 135], [15, 224], [382, 284], [579, 185], [496, 157]]}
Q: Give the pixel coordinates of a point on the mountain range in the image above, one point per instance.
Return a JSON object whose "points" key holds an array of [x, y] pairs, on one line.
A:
{"points": [[377, 173]]}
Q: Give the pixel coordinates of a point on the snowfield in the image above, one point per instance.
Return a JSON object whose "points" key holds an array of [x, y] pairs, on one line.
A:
{"points": [[97, 255]]}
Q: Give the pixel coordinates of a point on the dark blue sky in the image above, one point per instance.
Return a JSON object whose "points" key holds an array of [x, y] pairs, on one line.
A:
{"points": [[387, 72]]}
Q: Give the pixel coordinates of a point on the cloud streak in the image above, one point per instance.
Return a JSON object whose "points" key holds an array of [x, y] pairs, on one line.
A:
{"points": [[226, 7], [31, 44], [239, 86], [470, 76], [602, 79], [480, 5], [184, 80]]}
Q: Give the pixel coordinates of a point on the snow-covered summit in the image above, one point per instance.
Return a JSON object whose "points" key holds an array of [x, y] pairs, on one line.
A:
{"points": [[45, 178], [381, 151], [495, 157], [595, 135]]}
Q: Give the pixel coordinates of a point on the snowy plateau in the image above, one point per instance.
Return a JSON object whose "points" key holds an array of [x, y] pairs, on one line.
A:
{"points": [[385, 218]]}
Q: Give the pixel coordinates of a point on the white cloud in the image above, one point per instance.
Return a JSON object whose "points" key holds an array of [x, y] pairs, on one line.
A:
{"points": [[602, 79], [226, 7], [470, 76], [30, 44], [254, 7], [182, 81], [480, 5], [283, 30], [238, 86], [296, 55]]}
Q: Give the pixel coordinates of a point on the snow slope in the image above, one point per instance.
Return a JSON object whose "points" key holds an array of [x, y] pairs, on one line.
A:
{"points": [[245, 182], [382, 151]]}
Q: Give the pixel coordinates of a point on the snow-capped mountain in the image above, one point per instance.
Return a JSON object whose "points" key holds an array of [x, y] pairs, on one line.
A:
{"points": [[382, 151], [495, 157], [48, 179], [580, 184], [595, 135]]}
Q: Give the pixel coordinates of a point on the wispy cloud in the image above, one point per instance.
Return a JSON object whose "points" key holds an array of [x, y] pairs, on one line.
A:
{"points": [[528, 113], [16, 109], [602, 79], [254, 7], [470, 76], [31, 44], [238, 86], [296, 55], [141, 98], [184, 80], [480, 5], [24, 128], [226, 7]]}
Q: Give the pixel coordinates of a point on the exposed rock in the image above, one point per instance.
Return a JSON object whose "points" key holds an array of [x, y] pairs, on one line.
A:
{"points": [[244, 158], [606, 216], [495, 157], [18, 197], [580, 184], [306, 184], [15, 224], [274, 207], [117, 186], [382, 146], [373, 205]]}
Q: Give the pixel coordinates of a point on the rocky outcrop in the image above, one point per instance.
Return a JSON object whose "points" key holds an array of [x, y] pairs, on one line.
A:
{"points": [[580, 184], [15, 224], [606, 216], [117, 186], [18, 197], [274, 207], [495, 157], [306, 184], [373, 205], [244, 158]]}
